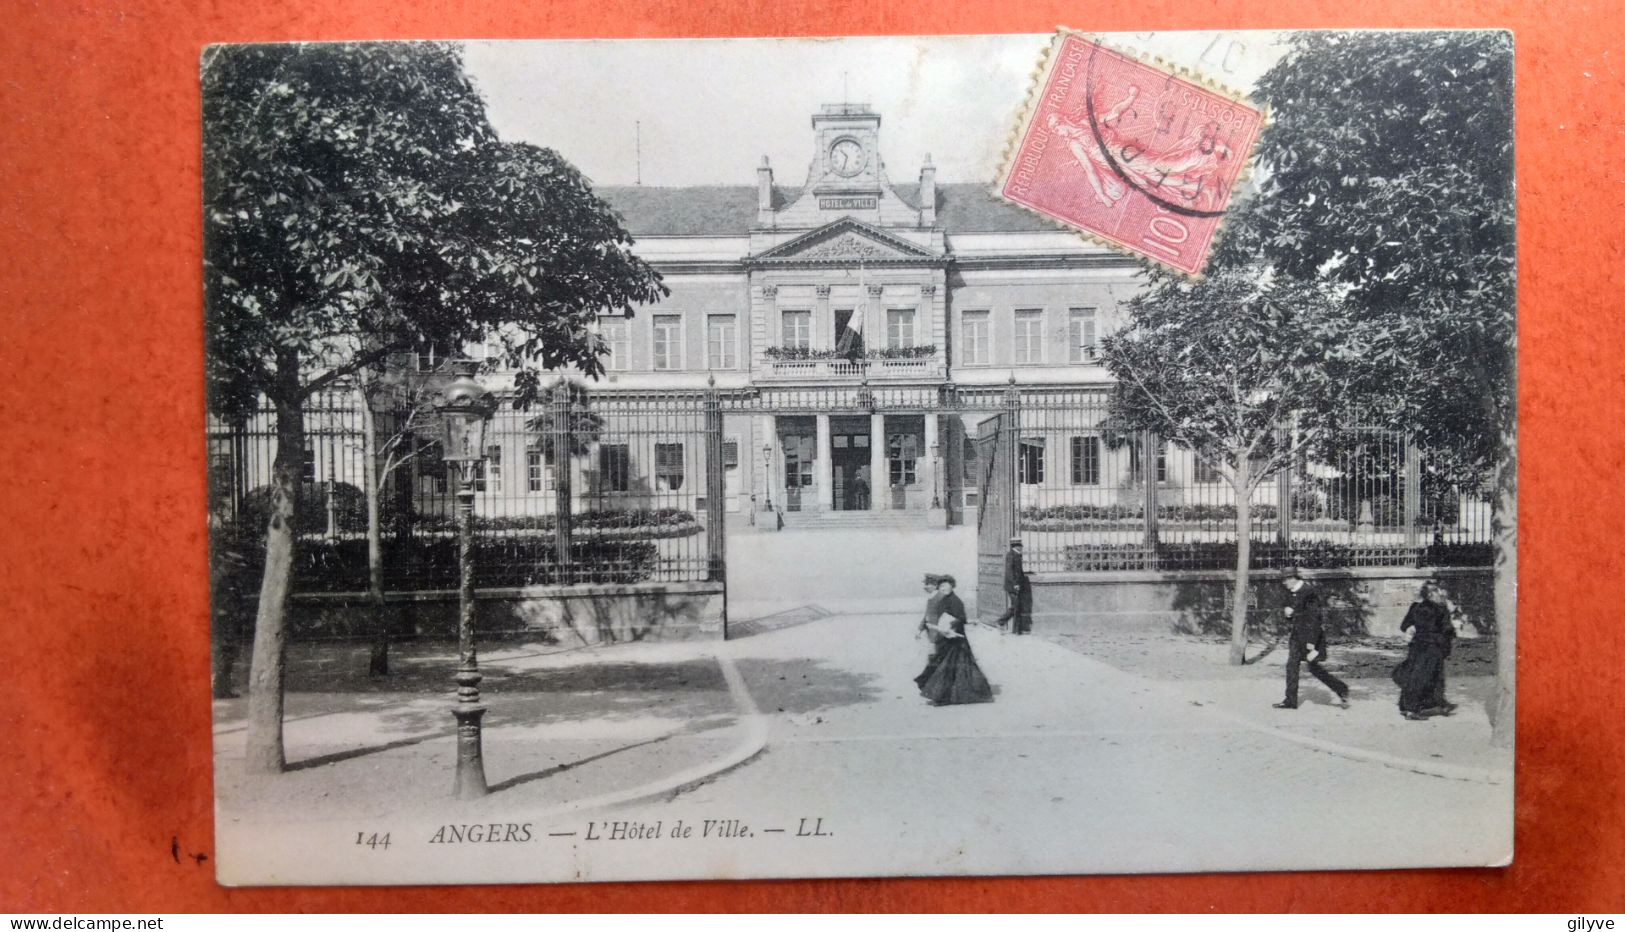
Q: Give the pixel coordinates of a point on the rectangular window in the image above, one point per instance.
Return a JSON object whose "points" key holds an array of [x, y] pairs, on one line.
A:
{"points": [[1031, 461], [431, 356], [900, 328], [1137, 469], [902, 455], [1080, 335], [430, 467], [614, 467], [489, 476], [538, 474], [1029, 337], [974, 343], [668, 467], [612, 330], [730, 454], [721, 341], [307, 464], [797, 330], [1085, 460], [1206, 472], [668, 341]]}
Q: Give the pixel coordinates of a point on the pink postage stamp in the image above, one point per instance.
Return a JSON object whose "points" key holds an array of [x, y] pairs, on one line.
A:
{"points": [[1128, 152]]}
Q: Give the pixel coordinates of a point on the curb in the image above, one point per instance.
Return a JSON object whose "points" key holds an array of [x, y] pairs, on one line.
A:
{"points": [[754, 742], [1491, 776]]}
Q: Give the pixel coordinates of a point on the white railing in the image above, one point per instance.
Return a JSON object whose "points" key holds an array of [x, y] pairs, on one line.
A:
{"points": [[918, 367]]}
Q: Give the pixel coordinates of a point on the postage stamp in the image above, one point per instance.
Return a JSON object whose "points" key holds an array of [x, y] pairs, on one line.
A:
{"points": [[1129, 152]]}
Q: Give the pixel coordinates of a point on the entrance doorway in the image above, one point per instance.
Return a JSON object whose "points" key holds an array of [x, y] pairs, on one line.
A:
{"points": [[849, 463]]}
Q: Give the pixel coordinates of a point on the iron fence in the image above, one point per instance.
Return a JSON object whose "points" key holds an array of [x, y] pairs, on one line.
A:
{"points": [[1087, 495], [571, 491]]}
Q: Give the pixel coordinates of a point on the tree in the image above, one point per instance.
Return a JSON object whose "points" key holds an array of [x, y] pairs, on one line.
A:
{"points": [[357, 204], [1221, 366], [1389, 175], [411, 404]]}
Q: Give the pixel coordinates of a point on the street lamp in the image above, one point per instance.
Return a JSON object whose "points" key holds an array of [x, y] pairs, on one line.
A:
{"points": [[464, 409], [767, 476]]}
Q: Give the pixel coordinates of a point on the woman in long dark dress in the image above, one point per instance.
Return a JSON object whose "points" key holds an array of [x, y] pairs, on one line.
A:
{"points": [[951, 676], [1421, 674]]}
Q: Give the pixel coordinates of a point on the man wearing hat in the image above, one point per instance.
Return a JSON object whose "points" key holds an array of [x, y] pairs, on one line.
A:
{"points": [[1018, 590], [1306, 640]]}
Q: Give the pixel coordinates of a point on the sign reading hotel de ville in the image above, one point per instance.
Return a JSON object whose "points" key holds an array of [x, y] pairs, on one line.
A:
{"points": [[943, 465]]}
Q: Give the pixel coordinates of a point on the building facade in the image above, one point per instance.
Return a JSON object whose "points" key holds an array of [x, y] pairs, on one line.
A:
{"points": [[946, 287]]}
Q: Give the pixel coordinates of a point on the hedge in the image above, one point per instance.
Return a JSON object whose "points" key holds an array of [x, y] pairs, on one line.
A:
{"points": [[1056, 517], [341, 565], [1265, 554]]}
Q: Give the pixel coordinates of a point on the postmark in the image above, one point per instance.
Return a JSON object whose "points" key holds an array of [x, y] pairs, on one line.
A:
{"points": [[1131, 153]]}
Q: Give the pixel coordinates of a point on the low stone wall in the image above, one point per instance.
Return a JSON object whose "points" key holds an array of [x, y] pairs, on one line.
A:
{"points": [[580, 615], [1359, 601]]}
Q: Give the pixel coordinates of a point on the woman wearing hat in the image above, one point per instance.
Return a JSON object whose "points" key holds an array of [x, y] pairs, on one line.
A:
{"points": [[951, 676]]}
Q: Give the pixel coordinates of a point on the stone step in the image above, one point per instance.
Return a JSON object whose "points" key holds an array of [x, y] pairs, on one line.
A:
{"points": [[857, 519]]}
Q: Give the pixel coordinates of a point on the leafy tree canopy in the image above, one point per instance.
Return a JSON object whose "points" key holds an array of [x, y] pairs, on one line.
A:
{"points": [[358, 203], [1387, 171], [1220, 364]]}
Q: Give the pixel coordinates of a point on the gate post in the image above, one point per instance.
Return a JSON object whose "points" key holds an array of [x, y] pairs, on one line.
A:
{"points": [[1149, 450], [715, 508], [1012, 426], [1283, 498], [563, 460], [1413, 491]]}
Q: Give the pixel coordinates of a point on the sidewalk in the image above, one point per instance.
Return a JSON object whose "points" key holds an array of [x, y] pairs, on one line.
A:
{"points": [[564, 729], [1457, 746]]}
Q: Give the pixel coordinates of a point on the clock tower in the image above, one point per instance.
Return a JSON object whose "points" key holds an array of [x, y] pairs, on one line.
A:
{"points": [[846, 171]]}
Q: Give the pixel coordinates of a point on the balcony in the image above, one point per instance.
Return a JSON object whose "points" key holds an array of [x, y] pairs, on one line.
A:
{"points": [[881, 365]]}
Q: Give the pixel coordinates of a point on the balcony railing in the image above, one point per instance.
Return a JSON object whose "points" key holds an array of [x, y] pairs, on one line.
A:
{"points": [[879, 369]]}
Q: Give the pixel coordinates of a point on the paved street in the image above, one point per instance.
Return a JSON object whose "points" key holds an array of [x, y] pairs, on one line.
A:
{"points": [[1075, 767]]}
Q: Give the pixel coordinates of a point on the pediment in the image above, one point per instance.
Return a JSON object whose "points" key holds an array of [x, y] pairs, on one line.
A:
{"points": [[847, 240]]}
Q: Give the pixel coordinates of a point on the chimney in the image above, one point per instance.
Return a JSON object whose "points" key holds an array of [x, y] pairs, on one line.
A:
{"points": [[928, 193], [764, 193]]}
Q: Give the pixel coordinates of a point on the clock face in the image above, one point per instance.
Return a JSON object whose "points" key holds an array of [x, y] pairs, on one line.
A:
{"points": [[847, 158]]}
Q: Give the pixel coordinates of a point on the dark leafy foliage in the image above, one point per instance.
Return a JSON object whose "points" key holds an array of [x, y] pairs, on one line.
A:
{"points": [[1268, 554], [357, 203], [431, 564], [1388, 172], [310, 507]]}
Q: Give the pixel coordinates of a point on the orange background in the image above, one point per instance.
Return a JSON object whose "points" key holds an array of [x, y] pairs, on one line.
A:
{"points": [[105, 752]]}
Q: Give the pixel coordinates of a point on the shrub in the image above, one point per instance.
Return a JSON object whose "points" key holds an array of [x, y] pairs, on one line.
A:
{"points": [[310, 508], [341, 565], [1265, 554], [1078, 517]]}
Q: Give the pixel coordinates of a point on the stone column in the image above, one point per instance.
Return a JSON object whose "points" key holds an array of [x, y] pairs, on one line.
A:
{"points": [[823, 321], [879, 476], [874, 323], [928, 475], [823, 469]]}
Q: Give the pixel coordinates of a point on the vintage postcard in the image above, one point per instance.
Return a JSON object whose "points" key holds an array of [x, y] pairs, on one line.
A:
{"points": [[1019, 454]]}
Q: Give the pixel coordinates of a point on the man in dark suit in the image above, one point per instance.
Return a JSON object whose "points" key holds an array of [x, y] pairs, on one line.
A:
{"points": [[1018, 591], [1306, 640]]}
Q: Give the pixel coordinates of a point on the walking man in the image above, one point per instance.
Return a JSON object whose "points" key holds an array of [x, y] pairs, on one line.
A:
{"points": [[1018, 590], [1306, 640]]}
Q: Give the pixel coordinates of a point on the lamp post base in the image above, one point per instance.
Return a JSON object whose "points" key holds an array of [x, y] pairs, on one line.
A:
{"points": [[470, 761]]}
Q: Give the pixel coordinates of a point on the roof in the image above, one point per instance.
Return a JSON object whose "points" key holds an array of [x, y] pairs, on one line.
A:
{"points": [[730, 210]]}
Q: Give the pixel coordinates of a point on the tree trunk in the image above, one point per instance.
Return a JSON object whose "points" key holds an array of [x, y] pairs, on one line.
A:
{"points": [[1503, 524], [378, 664], [1244, 558], [264, 754]]}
